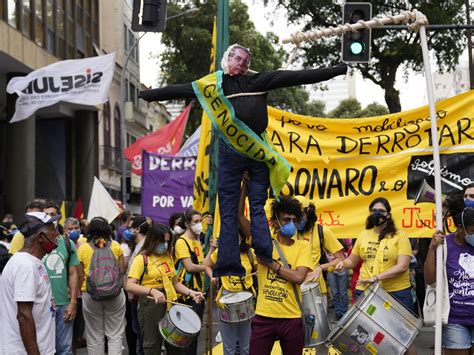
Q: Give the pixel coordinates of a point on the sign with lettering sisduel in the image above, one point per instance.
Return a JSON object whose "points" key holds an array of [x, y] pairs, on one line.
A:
{"points": [[79, 81], [344, 164], [167, 185]]}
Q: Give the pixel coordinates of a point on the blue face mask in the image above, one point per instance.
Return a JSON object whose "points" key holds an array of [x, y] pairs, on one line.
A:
{"points": [[300, 226], [128, 235], [14, 231], [468, 202], [288, 230], [161, 248], [74, 235]]}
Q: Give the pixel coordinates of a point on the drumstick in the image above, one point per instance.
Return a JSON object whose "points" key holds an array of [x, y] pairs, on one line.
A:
{"points": [[254, 273], [176, 303]]}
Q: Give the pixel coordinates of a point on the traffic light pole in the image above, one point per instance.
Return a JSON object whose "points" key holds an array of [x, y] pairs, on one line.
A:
{"points": [[418, 22]]}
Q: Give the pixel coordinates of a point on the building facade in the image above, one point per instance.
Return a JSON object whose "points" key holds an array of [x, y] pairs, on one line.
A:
{"points": [[56, 153]]}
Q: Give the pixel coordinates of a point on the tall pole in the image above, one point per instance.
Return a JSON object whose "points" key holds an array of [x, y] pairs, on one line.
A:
{"points": [[469, 45], [222, 42], [437, 179]]}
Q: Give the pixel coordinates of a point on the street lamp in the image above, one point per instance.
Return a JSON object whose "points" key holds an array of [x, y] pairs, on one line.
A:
{"points": [[191, 12]]}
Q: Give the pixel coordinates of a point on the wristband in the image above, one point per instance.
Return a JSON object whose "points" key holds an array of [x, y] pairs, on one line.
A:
{"points": [[149, 292], [189, 293], [279, 267], [376, 278]]}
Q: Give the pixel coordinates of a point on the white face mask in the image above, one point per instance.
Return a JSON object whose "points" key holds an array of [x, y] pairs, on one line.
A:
{"points": [[178, 230], [197, 228]]}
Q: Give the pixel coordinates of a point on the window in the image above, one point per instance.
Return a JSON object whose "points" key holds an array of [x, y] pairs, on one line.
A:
{"points": [[60, 34], [39, 23], [70, 31], [117, 126], [95, 21], [107, 130], [133, 93], [26, 17], [12, 13]]}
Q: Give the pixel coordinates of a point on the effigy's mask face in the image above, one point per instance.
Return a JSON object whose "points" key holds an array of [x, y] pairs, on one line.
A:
{"points": [[238, 61]]}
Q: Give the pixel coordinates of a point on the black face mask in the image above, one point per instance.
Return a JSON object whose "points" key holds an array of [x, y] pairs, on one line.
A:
{"points": [[376, 219]]}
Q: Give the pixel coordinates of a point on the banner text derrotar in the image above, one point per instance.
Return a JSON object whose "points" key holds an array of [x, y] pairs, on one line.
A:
{"points": [[391, 135]]}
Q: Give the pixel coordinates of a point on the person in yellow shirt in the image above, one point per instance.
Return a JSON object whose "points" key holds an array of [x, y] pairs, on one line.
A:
{"points": [[235, 333], [308, 229], [104, 318], [153, 278], [385, 253], [278, 314], [189, 266]]}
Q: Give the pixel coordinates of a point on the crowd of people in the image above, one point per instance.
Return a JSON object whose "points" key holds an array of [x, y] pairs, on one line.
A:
{"points": [[54, 299]]}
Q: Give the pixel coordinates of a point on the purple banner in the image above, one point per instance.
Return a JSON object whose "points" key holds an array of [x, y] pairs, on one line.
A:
{"points": [[167, 185]]}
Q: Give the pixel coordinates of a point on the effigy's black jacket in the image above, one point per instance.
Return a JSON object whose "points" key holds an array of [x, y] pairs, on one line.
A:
{"points": [[252, 110]]}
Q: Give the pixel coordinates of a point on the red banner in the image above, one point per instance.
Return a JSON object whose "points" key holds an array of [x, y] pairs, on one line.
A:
{"points": [[166, 140]]}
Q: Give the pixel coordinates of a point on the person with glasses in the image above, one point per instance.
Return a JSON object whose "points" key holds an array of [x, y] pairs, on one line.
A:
{"points": [[385, 253], [458, 333]]}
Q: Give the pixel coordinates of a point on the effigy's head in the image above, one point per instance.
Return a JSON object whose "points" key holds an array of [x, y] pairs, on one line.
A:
{"points": [[236, 60]]}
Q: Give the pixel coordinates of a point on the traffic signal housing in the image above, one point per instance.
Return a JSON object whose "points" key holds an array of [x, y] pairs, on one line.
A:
{"points": [[356, 45], [149, 15]]}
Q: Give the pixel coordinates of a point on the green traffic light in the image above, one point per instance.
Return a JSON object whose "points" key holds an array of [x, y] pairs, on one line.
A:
{"points": [[357, 48]]}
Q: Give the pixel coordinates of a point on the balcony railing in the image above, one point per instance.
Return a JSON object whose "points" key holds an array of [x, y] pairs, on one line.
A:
{"points": [[110, 157]]}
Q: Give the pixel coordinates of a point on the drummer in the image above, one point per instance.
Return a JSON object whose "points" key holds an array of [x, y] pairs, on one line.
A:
{"points": [[235, 336], [153, 278], [189, 266], [322, 240], [385, 254], [278, 315]]}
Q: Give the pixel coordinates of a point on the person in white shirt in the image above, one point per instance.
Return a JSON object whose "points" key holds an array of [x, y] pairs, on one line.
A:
{"points": [[26, 304]]}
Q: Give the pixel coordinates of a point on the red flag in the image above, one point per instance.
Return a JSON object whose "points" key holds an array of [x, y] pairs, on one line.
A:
{"points": [[79, 210], [166, 140]]}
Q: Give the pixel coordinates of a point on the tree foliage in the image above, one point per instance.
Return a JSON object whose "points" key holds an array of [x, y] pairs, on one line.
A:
{"points": [[187, 56], [351, 108], [391, 49]]}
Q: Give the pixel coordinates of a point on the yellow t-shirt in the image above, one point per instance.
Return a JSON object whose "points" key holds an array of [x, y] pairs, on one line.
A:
{"points": [[381, 256], [181, 251], [276, 298], [159, 266], [234, 283], [84, 254], [17, 243], [331, 245]]}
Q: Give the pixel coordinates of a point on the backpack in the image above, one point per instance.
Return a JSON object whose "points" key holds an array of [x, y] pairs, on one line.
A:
{"points": [[323, 259], [105, 279], [188, 280]]}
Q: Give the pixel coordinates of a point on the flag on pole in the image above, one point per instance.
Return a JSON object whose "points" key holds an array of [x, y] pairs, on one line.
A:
{"points": [[79, 81], [62, 209], [191, 146], [201, 179], [166, 140], [102, 204], [79, 210]]}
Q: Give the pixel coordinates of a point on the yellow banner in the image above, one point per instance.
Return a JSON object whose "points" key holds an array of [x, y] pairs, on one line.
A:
{"points": [[201, 179], [343, 164]]}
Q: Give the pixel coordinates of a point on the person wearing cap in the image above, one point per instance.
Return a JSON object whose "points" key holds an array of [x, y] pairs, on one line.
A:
{"points": [[61, 266], [322, 241], [245, 97], [26, 304], [18, 240]]}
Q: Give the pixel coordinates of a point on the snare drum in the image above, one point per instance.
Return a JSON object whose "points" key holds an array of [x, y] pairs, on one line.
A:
{"points": [[180, 326], [237, 307], [375, 324], [313, 305]]}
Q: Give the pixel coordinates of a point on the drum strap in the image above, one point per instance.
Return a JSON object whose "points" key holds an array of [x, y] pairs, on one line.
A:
{"points": [[308, 321], [285, 264]]}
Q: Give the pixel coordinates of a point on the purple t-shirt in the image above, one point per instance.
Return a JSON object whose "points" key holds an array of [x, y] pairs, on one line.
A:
{"points": [[460, 272]]}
